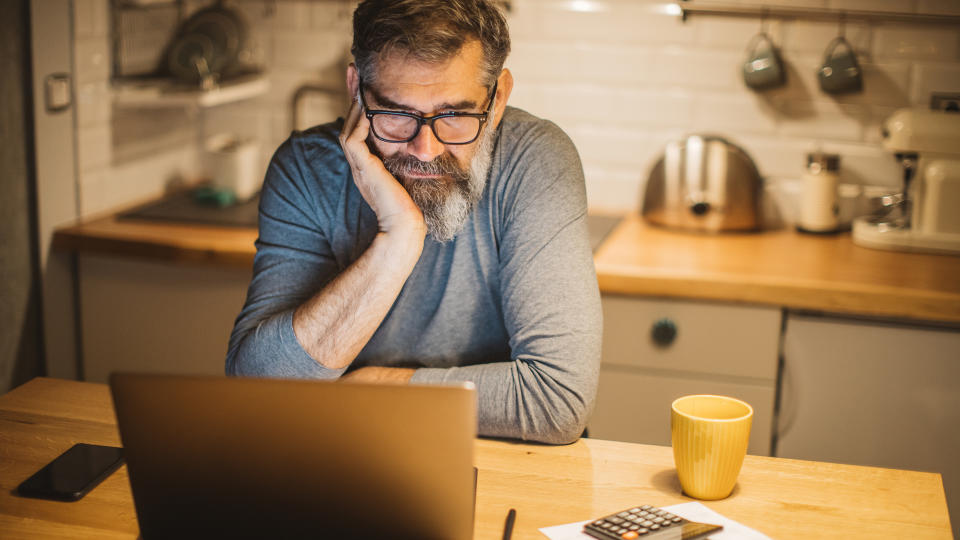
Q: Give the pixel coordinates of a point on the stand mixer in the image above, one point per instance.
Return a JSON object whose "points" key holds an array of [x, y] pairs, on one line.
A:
{"points": [[926, 216]]}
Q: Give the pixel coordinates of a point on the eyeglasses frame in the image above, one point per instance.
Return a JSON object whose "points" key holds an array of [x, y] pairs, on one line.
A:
{"points": [[422, 120]]}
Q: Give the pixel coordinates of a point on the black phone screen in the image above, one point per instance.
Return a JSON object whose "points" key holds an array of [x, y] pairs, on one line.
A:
{"points": [[72, 474]]}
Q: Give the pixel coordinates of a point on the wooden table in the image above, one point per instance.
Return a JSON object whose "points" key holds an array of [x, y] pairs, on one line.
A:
{"points": [[548, 485]]}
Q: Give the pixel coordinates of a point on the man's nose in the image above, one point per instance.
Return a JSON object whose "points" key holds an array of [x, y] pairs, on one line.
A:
{"points": [[425, 146]]}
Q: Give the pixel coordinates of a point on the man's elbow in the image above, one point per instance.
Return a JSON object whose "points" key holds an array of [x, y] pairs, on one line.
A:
{"points": [[566, 425]]}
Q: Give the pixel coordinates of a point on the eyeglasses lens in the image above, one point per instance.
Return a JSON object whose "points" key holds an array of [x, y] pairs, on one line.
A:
{"points": [[452, 129]]}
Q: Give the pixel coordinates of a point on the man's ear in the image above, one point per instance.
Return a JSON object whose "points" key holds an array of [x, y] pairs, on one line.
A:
{"points": [[353, 81], [504, 87]]}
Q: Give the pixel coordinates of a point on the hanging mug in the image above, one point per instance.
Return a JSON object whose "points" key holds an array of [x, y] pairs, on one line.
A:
{"points": [[763, 68], [840, 73]]}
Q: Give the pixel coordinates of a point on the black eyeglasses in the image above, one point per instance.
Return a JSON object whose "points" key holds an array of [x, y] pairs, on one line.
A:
{"points": [[449, 128]]}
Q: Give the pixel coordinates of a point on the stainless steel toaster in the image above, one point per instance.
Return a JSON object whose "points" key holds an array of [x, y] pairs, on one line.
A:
{"points": [[704, 183]]}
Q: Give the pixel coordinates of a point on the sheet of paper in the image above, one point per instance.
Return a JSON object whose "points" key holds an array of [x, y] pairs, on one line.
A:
{"points": [[693, 511]]}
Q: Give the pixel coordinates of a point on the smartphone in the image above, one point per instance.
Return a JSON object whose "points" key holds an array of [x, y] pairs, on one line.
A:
{"points": [[73, 473]]}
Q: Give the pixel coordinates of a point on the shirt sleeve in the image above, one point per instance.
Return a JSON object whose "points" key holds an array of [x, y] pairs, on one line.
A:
{"points": [[293, 261], [550, 300]]}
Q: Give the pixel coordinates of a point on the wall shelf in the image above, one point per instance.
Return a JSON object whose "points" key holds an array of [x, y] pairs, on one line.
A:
{"points": [[155, 93]]}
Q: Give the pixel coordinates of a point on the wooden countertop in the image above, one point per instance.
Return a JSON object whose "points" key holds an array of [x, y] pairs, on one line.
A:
{"points": [[547, 485], [169, 241], [780, 268]]}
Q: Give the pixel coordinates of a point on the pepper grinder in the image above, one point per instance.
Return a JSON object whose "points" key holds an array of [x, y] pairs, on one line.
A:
{"points": [[819, 210]]}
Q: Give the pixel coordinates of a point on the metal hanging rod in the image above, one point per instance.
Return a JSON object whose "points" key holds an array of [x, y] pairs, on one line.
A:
{"points": [[686, 9]]}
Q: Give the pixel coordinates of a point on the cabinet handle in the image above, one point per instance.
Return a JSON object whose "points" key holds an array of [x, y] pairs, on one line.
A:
{"points": [[663, 332]]}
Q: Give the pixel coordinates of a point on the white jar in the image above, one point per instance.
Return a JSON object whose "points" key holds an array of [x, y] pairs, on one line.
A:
{"points": [[819, 210]]}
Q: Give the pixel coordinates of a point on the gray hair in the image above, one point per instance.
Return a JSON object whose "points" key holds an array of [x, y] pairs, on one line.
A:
{"points": [[430, 31]]}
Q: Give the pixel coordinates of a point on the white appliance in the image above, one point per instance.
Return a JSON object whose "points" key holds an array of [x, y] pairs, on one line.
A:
{"points": [[927, 143]]}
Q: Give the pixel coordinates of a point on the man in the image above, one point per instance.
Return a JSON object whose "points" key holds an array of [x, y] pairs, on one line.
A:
{"points": [[433, 235]]}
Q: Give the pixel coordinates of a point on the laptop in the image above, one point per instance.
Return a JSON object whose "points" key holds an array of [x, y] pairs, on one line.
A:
{"points": [[218, 457]]}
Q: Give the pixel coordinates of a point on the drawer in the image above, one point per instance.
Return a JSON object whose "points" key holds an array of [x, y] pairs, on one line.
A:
{"points": [[740, 341], [635, 407]]}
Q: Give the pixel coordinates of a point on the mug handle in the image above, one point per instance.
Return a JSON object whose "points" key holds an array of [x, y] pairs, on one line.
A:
{"points": [[761, 37], [837, 42]]}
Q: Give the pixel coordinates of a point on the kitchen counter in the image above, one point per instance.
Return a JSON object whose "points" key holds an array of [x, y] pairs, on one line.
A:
{"points": [[780, 268]]}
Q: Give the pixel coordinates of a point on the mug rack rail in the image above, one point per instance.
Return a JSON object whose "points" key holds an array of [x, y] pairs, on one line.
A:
{"points": [[685, 9]]}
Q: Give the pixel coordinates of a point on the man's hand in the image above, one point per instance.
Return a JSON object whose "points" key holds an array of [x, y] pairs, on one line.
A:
{"points": [[389, 200], [379, 374]]}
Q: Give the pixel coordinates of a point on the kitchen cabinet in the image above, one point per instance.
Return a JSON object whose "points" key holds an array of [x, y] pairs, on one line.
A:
{"points": [[156, 316], [656, 350], [873, 393]]}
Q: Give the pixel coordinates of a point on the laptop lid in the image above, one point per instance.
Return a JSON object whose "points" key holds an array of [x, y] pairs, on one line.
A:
{"points": [[268, 458]]}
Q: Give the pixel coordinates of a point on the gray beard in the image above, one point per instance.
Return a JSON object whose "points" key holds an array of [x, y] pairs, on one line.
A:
{"points": [[446, 205]]}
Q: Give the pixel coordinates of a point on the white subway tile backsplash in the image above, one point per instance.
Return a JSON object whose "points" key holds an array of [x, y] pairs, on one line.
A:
{"points": [[94, 147], [636, 149], [697, 68], [812, 38], [782, 157], [540, 61], [917, 42], [886, 84], [866, 164], [332, 16], [93, 104], [823, 120], [734, 113], [622, 77], [307, 51], [933, 77], [598, 21], [735, 34], [613, 190], [292, 16], [92, 60], [90, 18]]}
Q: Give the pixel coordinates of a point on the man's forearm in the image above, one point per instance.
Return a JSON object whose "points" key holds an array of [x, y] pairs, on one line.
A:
{"points": [[336, 323]]}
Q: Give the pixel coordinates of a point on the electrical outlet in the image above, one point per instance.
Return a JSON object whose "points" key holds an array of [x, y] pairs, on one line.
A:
{"points": [[945, 102]]}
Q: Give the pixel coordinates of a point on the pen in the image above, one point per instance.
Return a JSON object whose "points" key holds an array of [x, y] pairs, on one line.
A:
{"points": [[508, 525]]}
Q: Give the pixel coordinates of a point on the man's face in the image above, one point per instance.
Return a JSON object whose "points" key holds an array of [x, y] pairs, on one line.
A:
{"points": [[444, 180]]}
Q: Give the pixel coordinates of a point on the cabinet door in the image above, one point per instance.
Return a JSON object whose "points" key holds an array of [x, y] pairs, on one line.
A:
{"points": [[715, 349], [873, 394], [634, 406], [156, 317]]}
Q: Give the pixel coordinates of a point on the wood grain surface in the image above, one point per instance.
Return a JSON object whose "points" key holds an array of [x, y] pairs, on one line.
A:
{"points": [[547, 485], [780, 268]]}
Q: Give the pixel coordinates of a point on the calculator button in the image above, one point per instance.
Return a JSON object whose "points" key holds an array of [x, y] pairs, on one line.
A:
{"points": [[654, 527], [657, 519], [623, 514], [646, 507], [629, 535], [642, 531], [634, 510], [616, 520], [647, 523], [633, 527], [676, 519]]}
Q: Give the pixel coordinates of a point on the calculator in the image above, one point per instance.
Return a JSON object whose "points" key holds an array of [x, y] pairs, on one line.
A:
{"points": [[647, 522]]}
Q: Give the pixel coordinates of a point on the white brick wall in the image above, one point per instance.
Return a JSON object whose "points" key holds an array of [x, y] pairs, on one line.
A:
{"points": [[623, 77]]}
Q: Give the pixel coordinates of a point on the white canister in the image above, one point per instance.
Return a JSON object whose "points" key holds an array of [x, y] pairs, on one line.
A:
{"points": [[819, 210], [234, 164]]}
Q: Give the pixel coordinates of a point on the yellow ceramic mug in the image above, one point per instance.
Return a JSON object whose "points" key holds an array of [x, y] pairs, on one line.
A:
{"points": [[709, 435]]}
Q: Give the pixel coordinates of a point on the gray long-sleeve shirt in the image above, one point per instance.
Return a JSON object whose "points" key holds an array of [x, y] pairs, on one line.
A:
{"points": [[510, 304]]}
